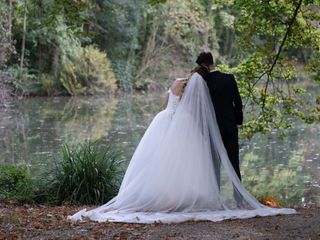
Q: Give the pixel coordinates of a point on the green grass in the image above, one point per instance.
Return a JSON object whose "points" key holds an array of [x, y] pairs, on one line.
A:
{"points": [[84, 174], [87, 174]]}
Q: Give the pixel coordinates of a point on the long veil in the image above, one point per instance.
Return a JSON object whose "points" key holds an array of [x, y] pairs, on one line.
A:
{"points": [[182, 173]]}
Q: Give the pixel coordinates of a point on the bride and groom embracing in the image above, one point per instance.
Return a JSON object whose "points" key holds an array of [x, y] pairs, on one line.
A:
{"points": [[186, 166]]}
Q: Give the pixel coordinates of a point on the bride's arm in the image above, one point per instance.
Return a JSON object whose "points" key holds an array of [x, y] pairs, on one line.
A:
{"points": [[177, 87], [165, 101]]}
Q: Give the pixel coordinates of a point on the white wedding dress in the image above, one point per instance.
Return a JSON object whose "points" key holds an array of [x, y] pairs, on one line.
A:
{"points": [[172, 174]]}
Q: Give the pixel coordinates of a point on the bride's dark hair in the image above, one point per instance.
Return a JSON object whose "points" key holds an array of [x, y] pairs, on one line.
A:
{"points": [[204, 60]]}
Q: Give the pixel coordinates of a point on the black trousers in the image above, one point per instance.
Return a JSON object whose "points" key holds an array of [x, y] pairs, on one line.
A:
{"points": [[231, 143]]}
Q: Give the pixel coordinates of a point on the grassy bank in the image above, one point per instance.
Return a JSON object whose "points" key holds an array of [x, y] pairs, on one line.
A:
{"points": [[84, 174]]}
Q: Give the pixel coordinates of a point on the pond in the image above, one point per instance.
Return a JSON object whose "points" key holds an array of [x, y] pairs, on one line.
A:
{"points": [[32, 134]]}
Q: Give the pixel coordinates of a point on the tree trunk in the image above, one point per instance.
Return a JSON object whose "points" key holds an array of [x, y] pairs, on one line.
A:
{"points": [[24, 34], [10, 21], [206, 34], [55, 62]]}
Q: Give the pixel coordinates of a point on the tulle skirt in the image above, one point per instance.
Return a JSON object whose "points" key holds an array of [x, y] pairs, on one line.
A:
{"points": [[180, 171], [170, 180]]}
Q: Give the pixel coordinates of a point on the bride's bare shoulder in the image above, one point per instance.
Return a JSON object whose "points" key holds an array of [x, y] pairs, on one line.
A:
{"points": [[179, 82], [178, 85]]}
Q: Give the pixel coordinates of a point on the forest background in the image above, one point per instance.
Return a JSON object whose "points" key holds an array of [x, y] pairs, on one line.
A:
{"points": [[94, 47]]}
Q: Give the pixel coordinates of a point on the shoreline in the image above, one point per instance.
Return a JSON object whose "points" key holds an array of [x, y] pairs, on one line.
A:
{"points": [[50, 222]]}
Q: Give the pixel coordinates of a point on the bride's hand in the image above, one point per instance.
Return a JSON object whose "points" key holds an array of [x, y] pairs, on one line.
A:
{"points": [[181, 79]]}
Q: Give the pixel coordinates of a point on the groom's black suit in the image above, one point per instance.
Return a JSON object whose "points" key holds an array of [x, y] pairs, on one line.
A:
{"points": [[228, 108]]}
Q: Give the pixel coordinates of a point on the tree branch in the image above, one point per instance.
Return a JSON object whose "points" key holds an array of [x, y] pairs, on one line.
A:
{"points": [[269, 72]]}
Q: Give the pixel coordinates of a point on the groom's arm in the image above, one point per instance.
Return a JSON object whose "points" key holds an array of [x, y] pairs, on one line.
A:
{"points": [[237, 102]]}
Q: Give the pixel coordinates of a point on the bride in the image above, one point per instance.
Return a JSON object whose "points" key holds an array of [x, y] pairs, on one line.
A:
{"points": [[172, 174]]}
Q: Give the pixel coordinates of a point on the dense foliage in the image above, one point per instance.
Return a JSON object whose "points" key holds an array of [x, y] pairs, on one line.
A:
{"points": [[85, 174], [279, 42], [51, 47], [15, 183]]}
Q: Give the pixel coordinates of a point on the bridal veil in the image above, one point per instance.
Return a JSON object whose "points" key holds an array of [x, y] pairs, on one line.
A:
{"points": [[180, 171]]}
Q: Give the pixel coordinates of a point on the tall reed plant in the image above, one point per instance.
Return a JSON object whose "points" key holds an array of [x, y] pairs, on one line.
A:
{"points": [[87, 174]]}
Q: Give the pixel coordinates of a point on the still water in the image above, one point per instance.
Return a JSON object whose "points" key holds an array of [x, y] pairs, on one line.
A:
{"points": [[32, 133]]}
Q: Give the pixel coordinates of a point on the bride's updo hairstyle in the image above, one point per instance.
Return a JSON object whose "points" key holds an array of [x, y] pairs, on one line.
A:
{"points": [[204, 60]]}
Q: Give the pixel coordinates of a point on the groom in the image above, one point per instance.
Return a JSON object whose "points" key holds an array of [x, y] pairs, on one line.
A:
{"points": [[228, 107]]}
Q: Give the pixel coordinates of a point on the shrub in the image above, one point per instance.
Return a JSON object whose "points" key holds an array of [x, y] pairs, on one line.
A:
{"points": [[23, 80], [16, 183], [87, 71], [5, 90], [49, 85], [87, 174]]}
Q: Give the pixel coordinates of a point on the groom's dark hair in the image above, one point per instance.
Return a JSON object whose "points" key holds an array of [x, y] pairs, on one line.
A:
{"points": [[205, 58]]}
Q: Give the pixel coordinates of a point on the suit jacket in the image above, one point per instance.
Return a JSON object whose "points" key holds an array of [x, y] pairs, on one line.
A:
{"points": [[226, 100]]}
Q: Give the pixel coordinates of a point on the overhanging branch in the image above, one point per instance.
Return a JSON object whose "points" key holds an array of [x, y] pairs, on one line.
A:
{"points": [[269, 72]]}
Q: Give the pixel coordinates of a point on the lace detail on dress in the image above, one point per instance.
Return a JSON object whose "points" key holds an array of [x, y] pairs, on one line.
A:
{"points": [[173, 102]]}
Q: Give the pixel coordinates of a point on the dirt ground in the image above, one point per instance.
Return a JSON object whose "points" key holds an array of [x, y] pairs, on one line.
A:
{"points": [[43, 222]]}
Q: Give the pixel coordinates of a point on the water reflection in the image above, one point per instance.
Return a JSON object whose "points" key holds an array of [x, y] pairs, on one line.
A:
{"points": [[35, 131], [287, 170]]}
